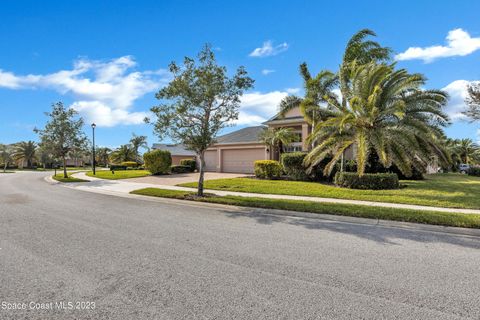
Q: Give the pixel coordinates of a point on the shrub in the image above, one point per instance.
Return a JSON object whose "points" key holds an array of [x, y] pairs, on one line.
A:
{"points": [[180, 169], [372, 181], [131, 164], [293, 165], [474, 171], [267, 169], [117, 167], [191, 163], [158, 161]]}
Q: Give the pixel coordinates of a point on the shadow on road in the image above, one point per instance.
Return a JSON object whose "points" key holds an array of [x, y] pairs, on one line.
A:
{"points": [[379, 234]]}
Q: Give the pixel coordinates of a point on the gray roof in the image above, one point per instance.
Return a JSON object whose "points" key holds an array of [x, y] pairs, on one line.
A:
{"points": [[175, 149], [245, 135]]}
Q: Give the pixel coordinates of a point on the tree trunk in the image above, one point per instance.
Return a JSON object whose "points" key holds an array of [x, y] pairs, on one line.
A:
{"points": [[5, 167], [65, 168], [201, 171]]}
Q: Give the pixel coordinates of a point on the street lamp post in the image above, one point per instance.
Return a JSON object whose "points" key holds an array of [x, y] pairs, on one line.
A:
{"points": [[93, 147]]}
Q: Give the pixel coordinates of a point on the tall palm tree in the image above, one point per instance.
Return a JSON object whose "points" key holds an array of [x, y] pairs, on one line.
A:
{"points": [[468, 150], [386, 113], [138, 142], [314, 106], [275, 138], [5, 156], [25, 151], [103, 155], [123, 153]]}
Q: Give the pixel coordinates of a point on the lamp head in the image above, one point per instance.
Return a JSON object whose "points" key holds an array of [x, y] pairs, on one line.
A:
{"points": [[93, 125]]}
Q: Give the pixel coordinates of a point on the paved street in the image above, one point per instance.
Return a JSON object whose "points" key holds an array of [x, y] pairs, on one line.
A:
{"points": [[139, 259]]}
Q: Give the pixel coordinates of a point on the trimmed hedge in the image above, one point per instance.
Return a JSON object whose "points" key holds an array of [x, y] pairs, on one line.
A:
{"points": [[180, 169], [369, 181], [158, 161], [131, 164], [267, 169], [117, 167], [192, 164], [292, 163], [474, 171]]}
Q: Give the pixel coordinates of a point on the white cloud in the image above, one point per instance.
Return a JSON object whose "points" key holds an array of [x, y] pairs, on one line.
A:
{"points": [[106, 91], [267, 71], [268, 49], [457, 91], [293, 90], [257, 107], [459, 43]]}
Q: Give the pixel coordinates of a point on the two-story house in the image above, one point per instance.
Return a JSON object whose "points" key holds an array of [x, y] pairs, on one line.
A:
{"points": [[237, 151]]}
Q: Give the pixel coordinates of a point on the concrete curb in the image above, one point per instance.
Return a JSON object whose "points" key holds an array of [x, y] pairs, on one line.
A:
{"points": [[50, 180], [295, 214]]}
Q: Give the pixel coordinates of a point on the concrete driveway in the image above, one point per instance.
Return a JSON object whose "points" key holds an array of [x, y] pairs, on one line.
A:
{"points": [[174, 179]]}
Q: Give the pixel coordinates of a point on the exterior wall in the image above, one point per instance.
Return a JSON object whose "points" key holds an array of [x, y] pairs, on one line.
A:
{"points": [[176, 159], [293, 113]]}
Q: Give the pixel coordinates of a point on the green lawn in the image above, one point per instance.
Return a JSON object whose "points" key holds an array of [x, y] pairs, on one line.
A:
{"points": [[440, 190], [427, 217], [59, 177], [121, 174]]}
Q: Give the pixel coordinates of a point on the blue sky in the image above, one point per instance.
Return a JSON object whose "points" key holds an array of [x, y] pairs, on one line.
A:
{"points": [[108, 58]]}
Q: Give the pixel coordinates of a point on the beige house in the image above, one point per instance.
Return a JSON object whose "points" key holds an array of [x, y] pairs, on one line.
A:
{"points": [[236, 152]]}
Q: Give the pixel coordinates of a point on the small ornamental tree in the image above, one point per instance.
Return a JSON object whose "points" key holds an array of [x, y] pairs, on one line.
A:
{"points": [[62, 133], [199, 102]]}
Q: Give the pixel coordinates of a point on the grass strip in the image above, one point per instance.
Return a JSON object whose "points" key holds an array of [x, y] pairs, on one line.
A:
{"points": [[361, 211], [120, 174], [438, 190], [59, 177]]}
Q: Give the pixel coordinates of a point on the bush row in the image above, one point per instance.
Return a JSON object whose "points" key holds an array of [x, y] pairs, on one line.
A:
{"points": [[474, 171], [267, 169], [292, 164], [372, 181]]}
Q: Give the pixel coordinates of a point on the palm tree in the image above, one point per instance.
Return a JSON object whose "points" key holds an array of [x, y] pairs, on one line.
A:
{"points": [[25, 151], [468, 150], [316, 89], [384, 112], [275, 138], [138, 142], [123, 153], [103, 155], [314, 106], [5, 156]]}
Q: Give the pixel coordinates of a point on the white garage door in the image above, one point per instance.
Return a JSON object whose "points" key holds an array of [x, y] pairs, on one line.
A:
{"points": [[211, 160], [241, 160]]}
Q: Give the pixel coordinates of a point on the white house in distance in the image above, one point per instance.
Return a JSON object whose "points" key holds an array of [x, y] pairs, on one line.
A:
{"points": [[237, 151]]}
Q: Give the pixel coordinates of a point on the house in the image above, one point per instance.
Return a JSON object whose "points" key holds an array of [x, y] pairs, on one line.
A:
{"points": [[236, 152], [177, 151]]}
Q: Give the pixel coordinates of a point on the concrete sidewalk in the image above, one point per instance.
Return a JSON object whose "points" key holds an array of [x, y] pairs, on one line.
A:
{"points": [[125, 186]]}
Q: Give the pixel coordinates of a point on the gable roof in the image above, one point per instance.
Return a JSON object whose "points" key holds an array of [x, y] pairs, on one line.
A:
{"points": [[245, 135], [175, 149]]}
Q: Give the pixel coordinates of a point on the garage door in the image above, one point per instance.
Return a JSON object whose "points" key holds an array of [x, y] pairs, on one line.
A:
{"points": [[241, 160], [211, 160]]}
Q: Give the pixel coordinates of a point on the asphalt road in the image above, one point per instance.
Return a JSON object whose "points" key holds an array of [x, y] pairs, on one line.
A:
{"points": [[137, 259]]}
